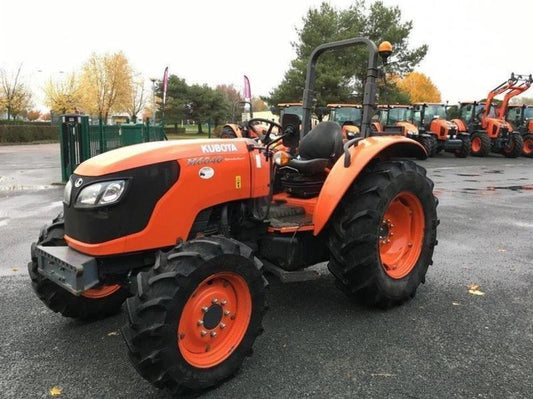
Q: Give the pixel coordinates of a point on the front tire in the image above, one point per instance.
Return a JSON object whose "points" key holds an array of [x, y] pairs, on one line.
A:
{"points": [[196, 314], [383, 233], [480, 144], [95, 303], [464, 151], [430, 144], [514, 146], [527, 149]]}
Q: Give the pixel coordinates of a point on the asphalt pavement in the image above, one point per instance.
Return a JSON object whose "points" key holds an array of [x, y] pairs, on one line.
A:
{"points": [[445, 343]]}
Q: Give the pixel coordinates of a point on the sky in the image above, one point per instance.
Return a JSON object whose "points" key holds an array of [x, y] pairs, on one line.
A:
{"points": [[473, 44]]}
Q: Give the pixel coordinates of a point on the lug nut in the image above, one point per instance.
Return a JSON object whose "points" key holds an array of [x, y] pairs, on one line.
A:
{"points": [[213, 334], [205, 309], [200, 322], [391, 226], [214, 301], [391, 234], [222, 326], [182, 335], [410, 244], [203, 333], [226, 313], [223, 302]]}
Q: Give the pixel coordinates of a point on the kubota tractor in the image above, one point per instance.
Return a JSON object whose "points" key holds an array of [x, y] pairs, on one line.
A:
{"points": [[348, 116], [431, 118], [398, 118], [521, 117], [185, 229], [488, 129]]}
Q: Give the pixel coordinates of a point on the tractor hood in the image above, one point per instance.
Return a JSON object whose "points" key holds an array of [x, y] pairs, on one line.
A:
{"points": [[138, 155]]}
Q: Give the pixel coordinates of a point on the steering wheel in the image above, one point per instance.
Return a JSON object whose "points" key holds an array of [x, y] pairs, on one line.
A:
{"points": [[271, 124]]}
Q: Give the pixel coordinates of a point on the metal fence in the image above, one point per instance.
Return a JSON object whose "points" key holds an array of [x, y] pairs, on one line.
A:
{"points": [[81, 141]]}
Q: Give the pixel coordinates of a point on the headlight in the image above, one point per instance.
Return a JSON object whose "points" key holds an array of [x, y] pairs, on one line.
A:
{"points": [[67, 192], [102, 193], [412, 132]]}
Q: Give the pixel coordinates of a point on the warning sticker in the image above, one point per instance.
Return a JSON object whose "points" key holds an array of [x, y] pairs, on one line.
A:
{"points": [[238, 182]]}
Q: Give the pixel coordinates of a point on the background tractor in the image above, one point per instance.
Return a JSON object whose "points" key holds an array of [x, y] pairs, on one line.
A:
{"points": [[185, 230], [398, 118], [488, 129], [431, 118], [521, 117], [348, 116]]}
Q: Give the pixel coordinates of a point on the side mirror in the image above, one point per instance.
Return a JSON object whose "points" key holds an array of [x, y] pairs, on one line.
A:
{"points": [[321, 111], [290, 127], [274, 110]]}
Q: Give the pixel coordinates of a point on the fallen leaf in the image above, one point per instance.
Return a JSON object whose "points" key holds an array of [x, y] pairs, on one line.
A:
{"points": [[455, 303], [473, 287], [502, 250], [112, 334], [15, 269], [55, 391], [474, 290]]}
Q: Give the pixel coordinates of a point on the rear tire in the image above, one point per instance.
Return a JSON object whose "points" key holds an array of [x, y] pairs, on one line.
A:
{"points": [[527, 149], [480, 144], [96, 303], [367, 267], [514, 147], [464, 151], [196, 314], [227, 133]]}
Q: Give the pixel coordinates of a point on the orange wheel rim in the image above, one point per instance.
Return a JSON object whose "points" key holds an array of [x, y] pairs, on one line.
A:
{"points": [[528, 146], [476, 144], [214, 320], [101, 292], [401, 235]]}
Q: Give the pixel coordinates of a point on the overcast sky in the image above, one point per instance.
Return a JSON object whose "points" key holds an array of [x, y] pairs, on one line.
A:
{"points": [[473, 44]]}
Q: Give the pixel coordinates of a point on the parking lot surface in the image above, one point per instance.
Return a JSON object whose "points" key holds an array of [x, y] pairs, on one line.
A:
{"points": [[445, 343]]}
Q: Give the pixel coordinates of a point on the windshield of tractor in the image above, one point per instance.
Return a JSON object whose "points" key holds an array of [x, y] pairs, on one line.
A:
{"points": [[345, 114], [434, 112], [292, 109], [528, 113], [398, 115]]}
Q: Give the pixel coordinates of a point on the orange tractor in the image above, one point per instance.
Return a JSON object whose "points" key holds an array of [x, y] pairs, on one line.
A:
{"points": [[521, 117], [488, 129], [348, 116], [185, 229], [398, 118], [431, 118]]}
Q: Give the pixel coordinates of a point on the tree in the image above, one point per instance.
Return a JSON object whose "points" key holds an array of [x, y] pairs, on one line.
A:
{"points": [[522, 100], [341, 74], [33, 115], [137, 99], [232, 101], [259, 105], [15, 98], [63, 96], [419, 87], [106, 83]]}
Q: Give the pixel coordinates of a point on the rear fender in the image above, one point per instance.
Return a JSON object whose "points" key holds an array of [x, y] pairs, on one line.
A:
{"points": [[341, 178], [236, 129]]}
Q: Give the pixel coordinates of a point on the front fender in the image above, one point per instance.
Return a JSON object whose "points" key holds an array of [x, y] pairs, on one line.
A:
{"points": [[341, 178]]}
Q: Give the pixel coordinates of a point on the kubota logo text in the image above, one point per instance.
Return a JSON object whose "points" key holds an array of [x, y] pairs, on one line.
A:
{"points": [[210, 148]]}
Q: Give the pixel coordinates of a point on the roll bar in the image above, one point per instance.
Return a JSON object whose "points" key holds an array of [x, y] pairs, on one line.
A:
{"points": [[369, 95]]}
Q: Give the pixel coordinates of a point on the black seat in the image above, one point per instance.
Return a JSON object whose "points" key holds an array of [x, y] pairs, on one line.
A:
{"points": [[304, 176], [323, 141]]}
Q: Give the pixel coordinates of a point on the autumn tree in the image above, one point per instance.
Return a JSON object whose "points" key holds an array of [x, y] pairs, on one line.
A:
{"points": [[64, 95], [137, 98], [33, 115], [419, 87], [15, 98], [258, 104], [106, 84], [341, 74]]}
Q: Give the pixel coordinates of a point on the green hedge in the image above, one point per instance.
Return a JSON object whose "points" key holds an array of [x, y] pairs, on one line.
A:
{"points": [[27, 133], [24, 123]]}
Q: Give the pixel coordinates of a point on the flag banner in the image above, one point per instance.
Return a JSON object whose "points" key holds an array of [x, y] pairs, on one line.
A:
{"points": [[247, 91]]}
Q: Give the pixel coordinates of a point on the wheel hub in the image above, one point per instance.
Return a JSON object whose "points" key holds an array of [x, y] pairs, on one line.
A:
{"points": [[213, 317]]}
